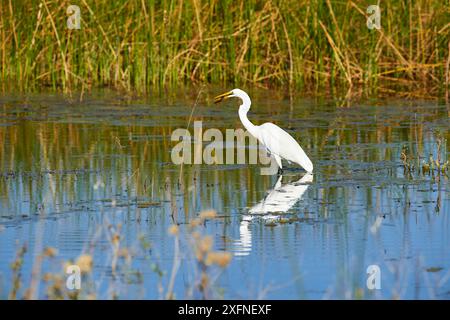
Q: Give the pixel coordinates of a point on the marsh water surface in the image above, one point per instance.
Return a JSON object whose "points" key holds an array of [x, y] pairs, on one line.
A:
{"points": [[73, 175]]}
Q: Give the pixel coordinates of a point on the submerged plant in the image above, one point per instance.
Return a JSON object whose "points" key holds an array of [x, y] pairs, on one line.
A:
{"points": [[428, 166]]}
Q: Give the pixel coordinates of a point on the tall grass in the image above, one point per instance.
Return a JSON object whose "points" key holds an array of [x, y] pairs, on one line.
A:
{"points": [[310, 45]]}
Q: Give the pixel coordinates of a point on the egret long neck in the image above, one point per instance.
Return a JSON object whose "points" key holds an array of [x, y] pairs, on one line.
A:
{"points": [[243, 109]]}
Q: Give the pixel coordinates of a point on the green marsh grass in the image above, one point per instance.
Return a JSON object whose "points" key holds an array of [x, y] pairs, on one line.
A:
{"points": [[307, 45]]}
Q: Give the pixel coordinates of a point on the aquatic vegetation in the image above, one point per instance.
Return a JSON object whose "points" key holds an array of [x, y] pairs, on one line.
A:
{"points": [[311, 45], [85, 263], [56, 283], [16, 267], [202, 249], [428, 165]]}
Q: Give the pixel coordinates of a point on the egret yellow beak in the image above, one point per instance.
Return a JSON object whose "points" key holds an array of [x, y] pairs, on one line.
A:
{"points": [[223, 96]]}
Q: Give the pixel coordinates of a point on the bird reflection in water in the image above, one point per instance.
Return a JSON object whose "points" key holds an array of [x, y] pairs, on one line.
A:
{"points": [[279, 200]]}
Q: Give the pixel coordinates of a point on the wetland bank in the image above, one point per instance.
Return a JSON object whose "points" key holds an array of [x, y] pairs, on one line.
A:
{"points": [[92, 183]]}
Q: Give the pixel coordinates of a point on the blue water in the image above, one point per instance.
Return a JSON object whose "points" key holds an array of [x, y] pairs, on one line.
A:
{"points": [[73, 174]]}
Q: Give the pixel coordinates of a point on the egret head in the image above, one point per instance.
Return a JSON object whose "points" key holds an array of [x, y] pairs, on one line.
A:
{"points": [[238, 93]]}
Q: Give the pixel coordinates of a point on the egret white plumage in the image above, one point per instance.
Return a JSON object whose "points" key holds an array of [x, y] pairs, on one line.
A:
{"points": [[278, 142]]}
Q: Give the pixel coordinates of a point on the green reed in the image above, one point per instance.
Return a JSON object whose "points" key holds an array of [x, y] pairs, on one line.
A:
{"points": [[310, 45]]}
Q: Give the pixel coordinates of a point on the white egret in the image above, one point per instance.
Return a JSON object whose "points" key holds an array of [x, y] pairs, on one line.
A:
{"points": [[278, 142]]}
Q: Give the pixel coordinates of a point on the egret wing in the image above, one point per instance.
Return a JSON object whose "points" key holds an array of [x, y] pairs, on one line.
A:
{"points": [[281, 143]]}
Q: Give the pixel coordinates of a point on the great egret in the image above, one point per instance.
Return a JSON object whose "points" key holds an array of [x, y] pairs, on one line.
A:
{"points": [[277, 141]]}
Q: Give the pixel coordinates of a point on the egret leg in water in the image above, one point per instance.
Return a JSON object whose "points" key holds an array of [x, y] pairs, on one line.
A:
{"points": [[280, 144]]}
